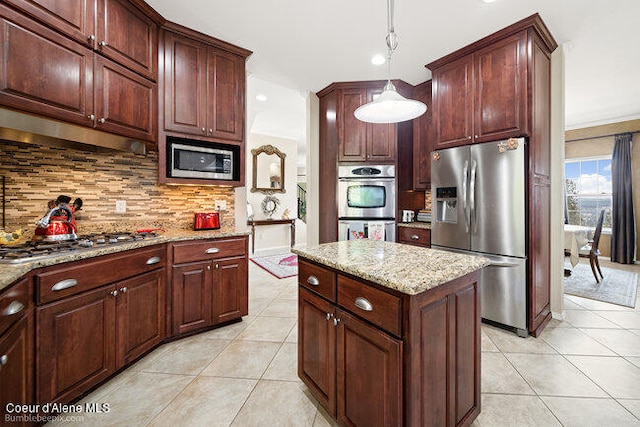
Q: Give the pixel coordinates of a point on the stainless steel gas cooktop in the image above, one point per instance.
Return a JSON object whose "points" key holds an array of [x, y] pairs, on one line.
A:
{"points": [[42, 249]]}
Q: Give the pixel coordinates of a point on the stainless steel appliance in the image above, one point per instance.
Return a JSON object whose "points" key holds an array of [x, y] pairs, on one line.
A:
{"points": [[186, 159], [479, 207], [366, 200], [42, 249]]}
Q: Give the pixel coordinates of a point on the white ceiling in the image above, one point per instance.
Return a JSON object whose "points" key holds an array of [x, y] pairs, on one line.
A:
{"points": [[306, 45]]}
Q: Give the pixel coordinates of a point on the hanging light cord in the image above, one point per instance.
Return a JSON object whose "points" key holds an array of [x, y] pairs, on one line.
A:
{"points": [[392, 41]]}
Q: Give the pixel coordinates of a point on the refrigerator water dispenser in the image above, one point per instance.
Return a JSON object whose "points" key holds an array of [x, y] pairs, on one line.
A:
{"points": [[446, 204]]}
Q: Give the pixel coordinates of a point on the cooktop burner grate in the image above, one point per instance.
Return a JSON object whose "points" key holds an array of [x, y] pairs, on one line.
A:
{"points": [[40, 249]]}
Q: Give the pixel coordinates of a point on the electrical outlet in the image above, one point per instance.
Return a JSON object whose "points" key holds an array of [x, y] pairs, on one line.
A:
{"points": [[121, 206], [221, 205]]}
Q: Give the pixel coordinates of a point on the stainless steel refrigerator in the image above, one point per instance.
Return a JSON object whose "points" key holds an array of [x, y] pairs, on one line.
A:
{"points": [[478, 206]]}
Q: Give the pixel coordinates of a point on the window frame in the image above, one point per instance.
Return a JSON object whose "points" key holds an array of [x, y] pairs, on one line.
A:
{"points": [[579, 194]]}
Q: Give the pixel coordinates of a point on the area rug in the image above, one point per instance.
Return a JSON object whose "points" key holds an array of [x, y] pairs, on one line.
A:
{"points": [[618, 286], [281, 266]]}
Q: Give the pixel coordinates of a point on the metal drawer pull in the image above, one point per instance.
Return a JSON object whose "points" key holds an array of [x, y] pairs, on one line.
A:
{"points": [[4, 359], [415, 237], [313, 281], [212, 251], [64, 284], [363, 304], [123, 289], [14, 308], [153, 260]]}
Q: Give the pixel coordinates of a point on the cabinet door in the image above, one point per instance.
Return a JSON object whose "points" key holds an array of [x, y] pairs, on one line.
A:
{"points": [[225, 95], [125, 102], [191, 296], [43, 72], [185, 97], [369, 374], [453, 103], [16, 370], [423, 140], [141, 312], [351, 131], [501, 89], [127, 36], [381, 138], [75, 18], [75, 344], [230, 289], [316, 348]]}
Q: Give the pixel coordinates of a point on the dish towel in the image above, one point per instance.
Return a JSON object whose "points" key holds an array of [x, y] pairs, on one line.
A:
{"points": [[376, 230], [356, 230]]}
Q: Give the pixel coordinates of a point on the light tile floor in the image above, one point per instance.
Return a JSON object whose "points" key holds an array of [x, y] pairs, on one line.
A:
{"points": [[584, 371]]}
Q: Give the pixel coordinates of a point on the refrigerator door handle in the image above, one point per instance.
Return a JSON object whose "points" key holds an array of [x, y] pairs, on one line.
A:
{"points": [[503, 264], [467, 214], [472, 196]]}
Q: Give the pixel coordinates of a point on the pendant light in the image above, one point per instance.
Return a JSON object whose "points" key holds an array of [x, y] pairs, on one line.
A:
{"points": [[390, 106]]}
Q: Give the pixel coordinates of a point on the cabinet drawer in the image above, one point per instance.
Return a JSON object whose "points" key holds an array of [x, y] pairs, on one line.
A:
{"points": [[376, 306], [13, 304], [414, 236], [84, 275], [203, 250], [317, 279]]}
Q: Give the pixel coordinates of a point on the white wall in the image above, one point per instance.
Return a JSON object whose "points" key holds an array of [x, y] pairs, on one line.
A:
{"points": [[557, 183], [274, 237], [313, 169]]}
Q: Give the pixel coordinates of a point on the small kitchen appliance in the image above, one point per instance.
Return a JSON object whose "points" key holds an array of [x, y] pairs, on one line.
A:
{"points": [[192, 159], [60, 222], [206, 221], [408, 216]]}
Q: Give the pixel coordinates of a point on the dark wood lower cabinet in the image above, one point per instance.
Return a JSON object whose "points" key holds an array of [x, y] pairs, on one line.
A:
{"points": [[75, 342], [191, 288], [16, 369], [230, 290], [368, 375]]}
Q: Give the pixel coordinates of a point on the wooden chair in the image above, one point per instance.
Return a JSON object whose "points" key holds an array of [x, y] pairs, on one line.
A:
{"points": [[591, 251]]}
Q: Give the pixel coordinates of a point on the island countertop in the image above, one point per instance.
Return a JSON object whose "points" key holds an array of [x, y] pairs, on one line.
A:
{"points": [[405, 268]]}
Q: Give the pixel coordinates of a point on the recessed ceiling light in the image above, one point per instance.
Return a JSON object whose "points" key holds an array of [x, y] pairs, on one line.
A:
{"points": [[378, 59], [488, 1], [261, 97]]}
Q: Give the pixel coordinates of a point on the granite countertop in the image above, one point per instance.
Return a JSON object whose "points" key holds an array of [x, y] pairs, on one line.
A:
{"points": [[9, 273], [415, 224], [405, 268]]}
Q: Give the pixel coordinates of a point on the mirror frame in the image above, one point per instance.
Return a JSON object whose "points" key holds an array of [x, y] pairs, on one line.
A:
{"points": [[268, 150]]}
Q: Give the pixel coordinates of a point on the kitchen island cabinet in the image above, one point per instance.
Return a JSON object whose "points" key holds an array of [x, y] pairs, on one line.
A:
{"points": [[389, 334]]}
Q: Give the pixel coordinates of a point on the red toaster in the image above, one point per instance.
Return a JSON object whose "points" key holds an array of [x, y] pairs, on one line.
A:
{"points": [[206, 221]]}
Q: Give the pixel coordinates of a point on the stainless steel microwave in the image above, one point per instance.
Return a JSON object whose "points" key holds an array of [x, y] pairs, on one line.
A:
{"points": [[200, 162]]}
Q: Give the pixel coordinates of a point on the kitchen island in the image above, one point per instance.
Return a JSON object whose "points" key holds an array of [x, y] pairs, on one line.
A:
{"points": [[389, 334]]}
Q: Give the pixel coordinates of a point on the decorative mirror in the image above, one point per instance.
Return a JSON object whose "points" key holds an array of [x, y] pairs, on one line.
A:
{"points": [[268, 170]]}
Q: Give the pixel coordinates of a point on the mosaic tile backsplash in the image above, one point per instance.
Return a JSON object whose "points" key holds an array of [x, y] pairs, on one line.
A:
{"points": [[36, 174]]}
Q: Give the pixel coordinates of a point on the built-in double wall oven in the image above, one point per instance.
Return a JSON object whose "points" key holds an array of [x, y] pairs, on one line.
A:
{"points": [[366, 202]]}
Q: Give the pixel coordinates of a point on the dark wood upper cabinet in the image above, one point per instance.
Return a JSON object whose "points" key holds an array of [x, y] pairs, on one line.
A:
{"points": [[361, 141], [204, 88], [122, 30], [482, 96], [423, 139], [43, 72]]}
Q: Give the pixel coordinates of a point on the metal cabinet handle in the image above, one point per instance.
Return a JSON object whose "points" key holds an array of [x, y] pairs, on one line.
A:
{"points": [[363, 304], [92, 37], [415, 237], [212, 251], [153, 260], [203, 129], [102, 43], [4, 359], [476, 136], [114, 293], [123, 289], [217, 266], [14, 308], [469, 137], [102, 120], [336, 321], [91, 117], [329, 316], [313, 281], [64, 284], [208, 267]]}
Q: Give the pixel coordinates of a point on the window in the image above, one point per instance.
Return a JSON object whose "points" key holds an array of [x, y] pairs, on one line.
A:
{"points": [[588, 190]]}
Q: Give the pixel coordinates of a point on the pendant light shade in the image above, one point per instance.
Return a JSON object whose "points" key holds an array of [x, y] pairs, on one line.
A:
{"points": [[390, 106]]}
